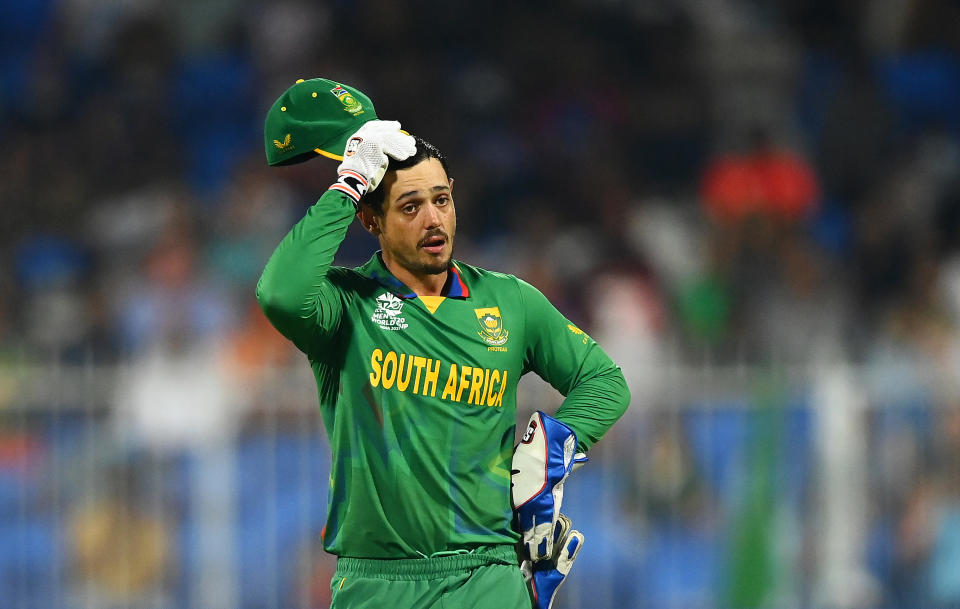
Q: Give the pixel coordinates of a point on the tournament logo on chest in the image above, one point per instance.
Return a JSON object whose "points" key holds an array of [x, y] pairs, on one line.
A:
{"points": [[388, 314]]}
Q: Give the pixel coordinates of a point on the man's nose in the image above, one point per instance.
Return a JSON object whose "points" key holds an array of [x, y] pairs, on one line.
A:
{"points": [[431, 216]]}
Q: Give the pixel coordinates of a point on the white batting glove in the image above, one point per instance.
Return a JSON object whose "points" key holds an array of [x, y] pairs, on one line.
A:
{"points": [[367, 155]]}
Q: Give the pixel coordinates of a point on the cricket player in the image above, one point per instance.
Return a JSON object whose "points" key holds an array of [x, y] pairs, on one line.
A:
{"points": [[417, 357]]}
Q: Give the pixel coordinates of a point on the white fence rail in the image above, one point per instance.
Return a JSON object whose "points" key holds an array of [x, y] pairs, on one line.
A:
{"points": [[140, 487]]}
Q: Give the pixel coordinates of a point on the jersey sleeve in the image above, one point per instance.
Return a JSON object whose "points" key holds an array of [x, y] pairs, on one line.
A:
{"points": [[595, 391], [297, 291]]}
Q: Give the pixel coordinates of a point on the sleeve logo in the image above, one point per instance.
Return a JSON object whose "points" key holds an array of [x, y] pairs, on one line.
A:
{"points": [[387, 315], [578, 332], [491, 327]]}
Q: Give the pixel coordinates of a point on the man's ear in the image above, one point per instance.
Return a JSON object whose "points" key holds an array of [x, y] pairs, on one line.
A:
{"points": [[451, 184], [369, 220]]}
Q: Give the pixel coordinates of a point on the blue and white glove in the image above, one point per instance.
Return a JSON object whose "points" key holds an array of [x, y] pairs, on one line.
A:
{"points": [[367, 154], [541, 462], [545, 577]]}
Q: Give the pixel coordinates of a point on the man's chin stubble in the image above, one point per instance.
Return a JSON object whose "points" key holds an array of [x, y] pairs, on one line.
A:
{"points": [[435, 269], [427, 268]]}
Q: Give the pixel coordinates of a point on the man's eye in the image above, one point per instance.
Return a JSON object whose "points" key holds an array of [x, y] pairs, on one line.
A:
{"points": [[409, 208], [442, 200]]}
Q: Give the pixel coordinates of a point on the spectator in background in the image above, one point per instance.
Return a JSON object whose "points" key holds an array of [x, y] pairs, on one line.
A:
{"points": [[766, 181], [757, 203], [173, 299], [802, 313], [121, 549], [626, 307], [52, 271], [175, 324], [928, 558]]}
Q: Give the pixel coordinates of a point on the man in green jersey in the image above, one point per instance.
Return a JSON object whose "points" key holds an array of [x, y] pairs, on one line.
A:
{"points": [[417, 358]]}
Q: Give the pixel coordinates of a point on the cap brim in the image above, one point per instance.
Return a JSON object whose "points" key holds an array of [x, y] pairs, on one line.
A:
{"points": [[329, 155], [339, 157]]}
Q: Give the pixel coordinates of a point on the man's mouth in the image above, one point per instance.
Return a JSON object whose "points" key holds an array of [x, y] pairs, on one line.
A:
{"points": [[433, 244]]}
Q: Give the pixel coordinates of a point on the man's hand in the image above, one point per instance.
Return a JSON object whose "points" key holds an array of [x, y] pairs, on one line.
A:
{"points": [[545, 577], [366, 155], [541, 462]]}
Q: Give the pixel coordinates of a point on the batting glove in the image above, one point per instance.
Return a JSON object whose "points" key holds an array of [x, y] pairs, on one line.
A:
{"points": [[545, 577], [367, 154], [541, 462]]}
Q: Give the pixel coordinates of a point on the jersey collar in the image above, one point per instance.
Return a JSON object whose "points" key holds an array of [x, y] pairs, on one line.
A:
{"points": [[375, 269]]}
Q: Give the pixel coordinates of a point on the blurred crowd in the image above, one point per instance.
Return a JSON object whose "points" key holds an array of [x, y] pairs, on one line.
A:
{"points": [[729, 180], [696, 183]]}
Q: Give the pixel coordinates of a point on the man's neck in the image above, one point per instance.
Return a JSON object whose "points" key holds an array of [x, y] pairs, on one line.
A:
{"points": [[422, 284]]}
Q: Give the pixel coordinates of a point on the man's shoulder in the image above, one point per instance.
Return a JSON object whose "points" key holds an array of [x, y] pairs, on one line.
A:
{"points": [[362, 272], [346, 273], [351, 279], [494, 279], [469, 271]]}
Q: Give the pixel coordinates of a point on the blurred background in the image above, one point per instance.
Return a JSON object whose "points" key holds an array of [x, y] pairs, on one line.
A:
{"points": [[753, 206]]}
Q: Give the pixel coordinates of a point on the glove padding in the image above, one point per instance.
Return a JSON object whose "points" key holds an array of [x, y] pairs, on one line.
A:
{"points": [[541, 462], [367, 155], [544, 577]]}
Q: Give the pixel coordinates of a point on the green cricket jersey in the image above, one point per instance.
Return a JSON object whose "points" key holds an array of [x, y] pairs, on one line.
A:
{"points": [[418, 394]]}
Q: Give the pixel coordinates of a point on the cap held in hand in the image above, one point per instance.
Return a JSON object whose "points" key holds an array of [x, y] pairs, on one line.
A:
{"points": [[314, 117]]}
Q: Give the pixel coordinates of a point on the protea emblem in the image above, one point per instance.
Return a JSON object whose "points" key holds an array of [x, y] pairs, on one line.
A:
{"points": [[491, 326]]}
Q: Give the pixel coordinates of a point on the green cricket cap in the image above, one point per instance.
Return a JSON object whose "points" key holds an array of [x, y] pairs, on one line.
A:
{"points": [[315, 116]]}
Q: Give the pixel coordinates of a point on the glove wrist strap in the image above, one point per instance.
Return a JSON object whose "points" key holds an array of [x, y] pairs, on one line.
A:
{"points": [[352, 184]]}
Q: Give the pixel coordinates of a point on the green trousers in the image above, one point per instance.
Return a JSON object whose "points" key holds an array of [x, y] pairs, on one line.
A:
{"points": [[479, 580]]}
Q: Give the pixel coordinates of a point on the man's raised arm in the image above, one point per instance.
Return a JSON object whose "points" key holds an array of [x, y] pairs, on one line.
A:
{"points": [[295, 291]]}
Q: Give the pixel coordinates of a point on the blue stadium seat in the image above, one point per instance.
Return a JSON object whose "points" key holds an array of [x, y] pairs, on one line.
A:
{"points": [[924, 88]]}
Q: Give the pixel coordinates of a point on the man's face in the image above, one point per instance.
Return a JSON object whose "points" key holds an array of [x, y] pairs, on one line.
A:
{"points": [[419, 221]]}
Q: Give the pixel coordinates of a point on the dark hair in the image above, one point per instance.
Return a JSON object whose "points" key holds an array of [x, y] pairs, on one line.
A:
{"points": [[425, 150]]}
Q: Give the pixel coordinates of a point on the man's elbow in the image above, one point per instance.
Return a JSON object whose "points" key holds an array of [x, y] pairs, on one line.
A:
{"points": [[265, 297], [622, 392], [270, 301]]}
